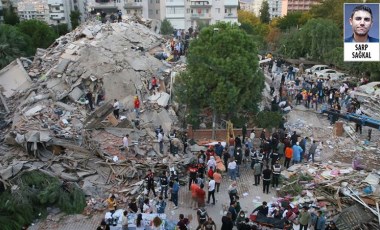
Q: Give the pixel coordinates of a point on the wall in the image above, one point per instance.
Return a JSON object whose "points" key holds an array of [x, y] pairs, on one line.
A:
{"points": [[220, 134]]}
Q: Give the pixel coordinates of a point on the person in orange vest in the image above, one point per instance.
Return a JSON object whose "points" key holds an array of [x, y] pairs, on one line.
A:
{"points": [[136, 104], [288, 156]]}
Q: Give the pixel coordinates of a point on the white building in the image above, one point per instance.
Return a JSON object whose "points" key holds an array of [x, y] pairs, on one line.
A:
{"points": [[60, 10], [275, 8], [186, 13], [130, 7], [29, 9]]}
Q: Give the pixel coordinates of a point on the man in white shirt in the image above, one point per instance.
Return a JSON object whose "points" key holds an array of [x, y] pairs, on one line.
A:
{"points": [[211, 190], [116, 108], [160, 142], [126, 142], [232, 169]]}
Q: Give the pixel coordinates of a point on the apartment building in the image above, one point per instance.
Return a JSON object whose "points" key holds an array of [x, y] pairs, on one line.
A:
{"points": [[29, 9], [130, 7], [301, 5], [1, 12], [254, 6], [60, 10]]}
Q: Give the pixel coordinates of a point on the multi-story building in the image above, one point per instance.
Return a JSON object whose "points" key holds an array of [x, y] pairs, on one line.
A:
{"points": [[275, 7], [131, 7], [60, 10], [29, 9], [1, 12], [301, 5], [156, 8]]}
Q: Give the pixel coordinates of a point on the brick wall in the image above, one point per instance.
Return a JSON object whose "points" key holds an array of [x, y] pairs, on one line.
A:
{"points": [[220, 134]]}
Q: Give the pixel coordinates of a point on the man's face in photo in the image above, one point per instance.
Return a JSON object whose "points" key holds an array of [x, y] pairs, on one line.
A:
{"points": [[361, 22]]}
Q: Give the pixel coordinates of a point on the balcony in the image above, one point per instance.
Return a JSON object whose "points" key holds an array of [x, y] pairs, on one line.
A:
{"points": [[201, 16], [55, 3], [175, 2], [230, 2], [200, 4], [57, 17], [230, 15], [133, 5]]}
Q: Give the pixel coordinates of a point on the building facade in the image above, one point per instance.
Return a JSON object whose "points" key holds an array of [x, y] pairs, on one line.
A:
{"points": [[301, 5], [130, 7], [29, 9], [60, 10]]}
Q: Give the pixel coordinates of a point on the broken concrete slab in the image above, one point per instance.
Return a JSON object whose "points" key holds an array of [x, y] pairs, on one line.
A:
{"points": [[11, 170], [65, 106], [62, 65], [160, 98], [14, 78], [75, 94], [33, 111]]}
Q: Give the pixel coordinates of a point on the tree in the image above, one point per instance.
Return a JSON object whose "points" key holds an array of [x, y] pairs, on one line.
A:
{"points": [[41, 33], [75, 19], [222, 73], [314, 40], [264, 12], [10, 16], [292, 19], [13, 44], [61, 29], [248, 17], [166, 27]]}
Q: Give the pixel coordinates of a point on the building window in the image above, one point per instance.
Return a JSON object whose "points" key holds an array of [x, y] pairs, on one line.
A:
{"points": [[151, 1], [188, 11], [128, 11], [206, 10], [157, 11], [157, 1], [217, 10], [56, 8]]}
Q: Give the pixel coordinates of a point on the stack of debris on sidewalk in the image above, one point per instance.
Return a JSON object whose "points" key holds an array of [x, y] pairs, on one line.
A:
{"points": [[337, 189], [47, 123]]}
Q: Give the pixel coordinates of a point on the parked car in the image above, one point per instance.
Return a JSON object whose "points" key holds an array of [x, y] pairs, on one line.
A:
{"points": [[331, 74], [316, 68]]}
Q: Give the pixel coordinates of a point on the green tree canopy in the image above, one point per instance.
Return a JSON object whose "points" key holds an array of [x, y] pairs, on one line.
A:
{"points": [[292, 19], [75, 19], [13, 44], [41, 33], [10, 16], [222, 72], [166, 27], [264, 12], [314, 40]]}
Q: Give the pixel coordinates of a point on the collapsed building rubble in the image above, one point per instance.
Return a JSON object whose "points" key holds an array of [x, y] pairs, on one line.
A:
{"points": [[45, 111]]}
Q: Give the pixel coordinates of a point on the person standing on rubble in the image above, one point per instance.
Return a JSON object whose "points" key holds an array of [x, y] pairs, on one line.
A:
{"points": [[112, 204], [119, 16], [153, 83], [304, 218], [288, 156], [89, 99], [136, 106], [193, 170], [267, 172], [164, 183], [174, 193], [312, 151], [126, 143], [319, 221], [116, 107], [297, 151], [276, 173], [149, 179], [160, 139]]}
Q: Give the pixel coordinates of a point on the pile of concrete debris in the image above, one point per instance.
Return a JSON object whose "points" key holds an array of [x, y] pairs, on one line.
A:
{"points": [[44, 110], [337, 189]]}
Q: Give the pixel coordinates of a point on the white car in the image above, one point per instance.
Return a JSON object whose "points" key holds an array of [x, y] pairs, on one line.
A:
{"points": [[331, 74], [316, 68]]}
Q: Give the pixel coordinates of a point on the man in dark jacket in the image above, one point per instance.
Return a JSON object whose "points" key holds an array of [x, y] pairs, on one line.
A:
{"points": [[263, 209]]}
